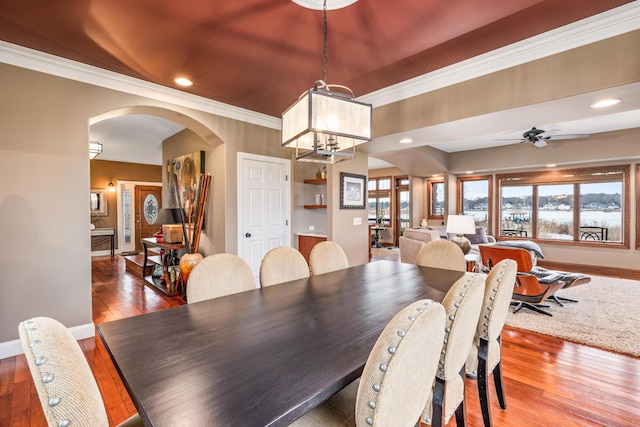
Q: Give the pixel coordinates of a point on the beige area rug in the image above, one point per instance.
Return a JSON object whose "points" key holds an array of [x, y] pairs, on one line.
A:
{"points": [[607, 316]]}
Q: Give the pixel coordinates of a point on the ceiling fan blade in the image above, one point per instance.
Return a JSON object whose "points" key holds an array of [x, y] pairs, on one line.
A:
{"points": [[568, 136], [540, 143], [510, 139]]}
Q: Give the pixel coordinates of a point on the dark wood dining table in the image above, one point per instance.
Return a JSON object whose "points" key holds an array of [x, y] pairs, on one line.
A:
{"points": [[263, 357]]}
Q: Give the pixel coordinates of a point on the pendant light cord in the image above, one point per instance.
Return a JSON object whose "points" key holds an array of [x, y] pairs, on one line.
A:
{"points": [[324, 38]]}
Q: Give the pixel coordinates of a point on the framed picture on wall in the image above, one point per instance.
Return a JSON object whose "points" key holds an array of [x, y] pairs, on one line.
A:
{"points": [[352, 191], [186, 170]]}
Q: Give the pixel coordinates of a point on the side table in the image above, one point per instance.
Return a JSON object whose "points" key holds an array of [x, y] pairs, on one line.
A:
{"points": [[165, 286], [473, 262]]}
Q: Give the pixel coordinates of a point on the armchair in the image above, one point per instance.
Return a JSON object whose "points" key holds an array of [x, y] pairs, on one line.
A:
{"points": [[529, 292]]}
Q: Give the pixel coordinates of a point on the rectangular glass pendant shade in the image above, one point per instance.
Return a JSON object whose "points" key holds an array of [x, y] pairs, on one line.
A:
{"points": [[323, 124]]}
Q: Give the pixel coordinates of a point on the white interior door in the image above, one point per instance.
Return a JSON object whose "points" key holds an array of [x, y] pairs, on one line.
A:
{"points": [[264, 201]]}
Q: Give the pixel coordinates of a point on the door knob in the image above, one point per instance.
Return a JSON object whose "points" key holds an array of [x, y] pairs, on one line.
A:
{"points": [[247, 235]]}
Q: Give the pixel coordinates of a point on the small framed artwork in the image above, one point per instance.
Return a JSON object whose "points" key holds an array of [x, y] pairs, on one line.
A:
{"points": [[352, 191]]}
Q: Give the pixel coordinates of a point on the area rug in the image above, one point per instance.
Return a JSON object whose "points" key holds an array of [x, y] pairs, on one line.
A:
{"points": [[607, 316]]}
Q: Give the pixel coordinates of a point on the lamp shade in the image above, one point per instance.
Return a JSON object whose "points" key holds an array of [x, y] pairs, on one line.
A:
{"points": [[168, 216], [324, 125], [461, 224]]}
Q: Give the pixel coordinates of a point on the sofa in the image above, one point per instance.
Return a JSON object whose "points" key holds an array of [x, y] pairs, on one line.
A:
{"points": [[414, 239]]}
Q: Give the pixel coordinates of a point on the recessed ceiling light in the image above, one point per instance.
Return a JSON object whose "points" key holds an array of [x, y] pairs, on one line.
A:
{"points": [[406, 141], [606, 103], [183, 81]]}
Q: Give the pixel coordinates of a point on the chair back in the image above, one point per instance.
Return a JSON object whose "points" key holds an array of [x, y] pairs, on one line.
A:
{"points": [[282, 264], [442, 254], [462, 304], [219, 275], [63, 379], [326, 257], [401, 367], [492, 255], [498, 292]]}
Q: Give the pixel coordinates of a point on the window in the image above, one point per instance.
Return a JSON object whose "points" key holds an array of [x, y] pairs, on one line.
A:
{"points": [[435, 190], [403, 205], [474, 198], [578, 205], [379, 201]]}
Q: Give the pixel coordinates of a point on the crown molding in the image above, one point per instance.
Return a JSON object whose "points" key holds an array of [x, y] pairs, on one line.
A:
{"points": [[23, 57], [599, 27]]}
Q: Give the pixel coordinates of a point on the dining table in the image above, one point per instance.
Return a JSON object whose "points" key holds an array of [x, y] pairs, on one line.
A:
{"points": [[263, 357]]}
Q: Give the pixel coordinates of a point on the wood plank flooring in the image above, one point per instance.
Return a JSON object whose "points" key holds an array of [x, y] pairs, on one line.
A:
{"points": [[548, 381]]}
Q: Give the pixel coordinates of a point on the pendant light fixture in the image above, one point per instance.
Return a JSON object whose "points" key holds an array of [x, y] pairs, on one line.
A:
{"points": [[95, 148], [326, 123]]}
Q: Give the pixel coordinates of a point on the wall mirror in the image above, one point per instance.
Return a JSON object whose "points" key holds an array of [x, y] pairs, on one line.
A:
{"points": [[98, 202]]}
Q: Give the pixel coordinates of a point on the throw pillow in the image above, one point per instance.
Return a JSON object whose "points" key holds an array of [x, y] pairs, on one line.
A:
{"points": [[479, 237]]}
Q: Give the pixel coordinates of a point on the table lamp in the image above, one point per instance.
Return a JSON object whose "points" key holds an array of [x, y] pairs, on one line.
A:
{"points": [[166, 216], [460, 225]]}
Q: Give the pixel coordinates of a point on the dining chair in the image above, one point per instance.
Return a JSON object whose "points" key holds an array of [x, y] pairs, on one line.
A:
{"points": [[395, 379], [485, 356], [219, 275], [442, 254], [66, 387], [327, 256], [462, 304], [282, 264]]}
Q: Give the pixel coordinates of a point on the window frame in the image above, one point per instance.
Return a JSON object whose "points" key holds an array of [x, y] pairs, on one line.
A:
{"points": [[460, 196], [377, 194], [430, 194], [537, 178]]}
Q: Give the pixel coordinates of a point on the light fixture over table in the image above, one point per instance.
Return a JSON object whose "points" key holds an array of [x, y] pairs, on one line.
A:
{"points": [[326, 123], [95, 148]]}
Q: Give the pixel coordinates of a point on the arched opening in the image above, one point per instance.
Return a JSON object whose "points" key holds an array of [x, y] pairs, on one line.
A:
{"points": [[133, 161]]}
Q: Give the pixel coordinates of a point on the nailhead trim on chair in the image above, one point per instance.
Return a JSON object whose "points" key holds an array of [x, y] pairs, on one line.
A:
{"points": [[41, 362], [487, 314], [401, 333]]}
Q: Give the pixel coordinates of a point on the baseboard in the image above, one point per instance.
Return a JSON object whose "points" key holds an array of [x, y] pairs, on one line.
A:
{"points": [[14, 348], [101, 253], [597, 270]]}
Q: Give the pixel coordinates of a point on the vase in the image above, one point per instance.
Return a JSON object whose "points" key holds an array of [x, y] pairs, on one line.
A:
{"points": [[423, 223], [187, 262]]}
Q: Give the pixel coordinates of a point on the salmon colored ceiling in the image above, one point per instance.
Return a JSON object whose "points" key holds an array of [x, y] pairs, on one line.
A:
{"points": [[262, 54]]}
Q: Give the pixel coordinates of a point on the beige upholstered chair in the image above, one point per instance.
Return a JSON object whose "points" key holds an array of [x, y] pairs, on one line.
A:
{"points": [[395, 379], [485, 355], [326, 257], [282, 264], [63, 379], [462, 304], [442, 254], [219, 275]]}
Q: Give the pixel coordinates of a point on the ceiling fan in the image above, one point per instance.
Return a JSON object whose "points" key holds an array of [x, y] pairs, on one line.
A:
{"points": [[539, 137]]}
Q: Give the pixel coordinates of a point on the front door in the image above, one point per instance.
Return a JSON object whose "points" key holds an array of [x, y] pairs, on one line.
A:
{"points": [[148, 202], [263, 207]]}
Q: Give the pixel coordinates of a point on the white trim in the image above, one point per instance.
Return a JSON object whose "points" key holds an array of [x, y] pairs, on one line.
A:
{"points": [[14, 348], [599, 27], [49, 64]]}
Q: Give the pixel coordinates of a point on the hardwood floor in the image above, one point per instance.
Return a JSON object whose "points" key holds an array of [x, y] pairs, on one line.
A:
{"points": [[548, 381]]}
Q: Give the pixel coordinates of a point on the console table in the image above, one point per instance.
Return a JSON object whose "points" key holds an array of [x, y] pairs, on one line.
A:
{"points": [[166, 285], [110, 232]]}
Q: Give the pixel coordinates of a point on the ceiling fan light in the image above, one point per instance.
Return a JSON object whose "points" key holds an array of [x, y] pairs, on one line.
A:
{"points": [[606, 103]]}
